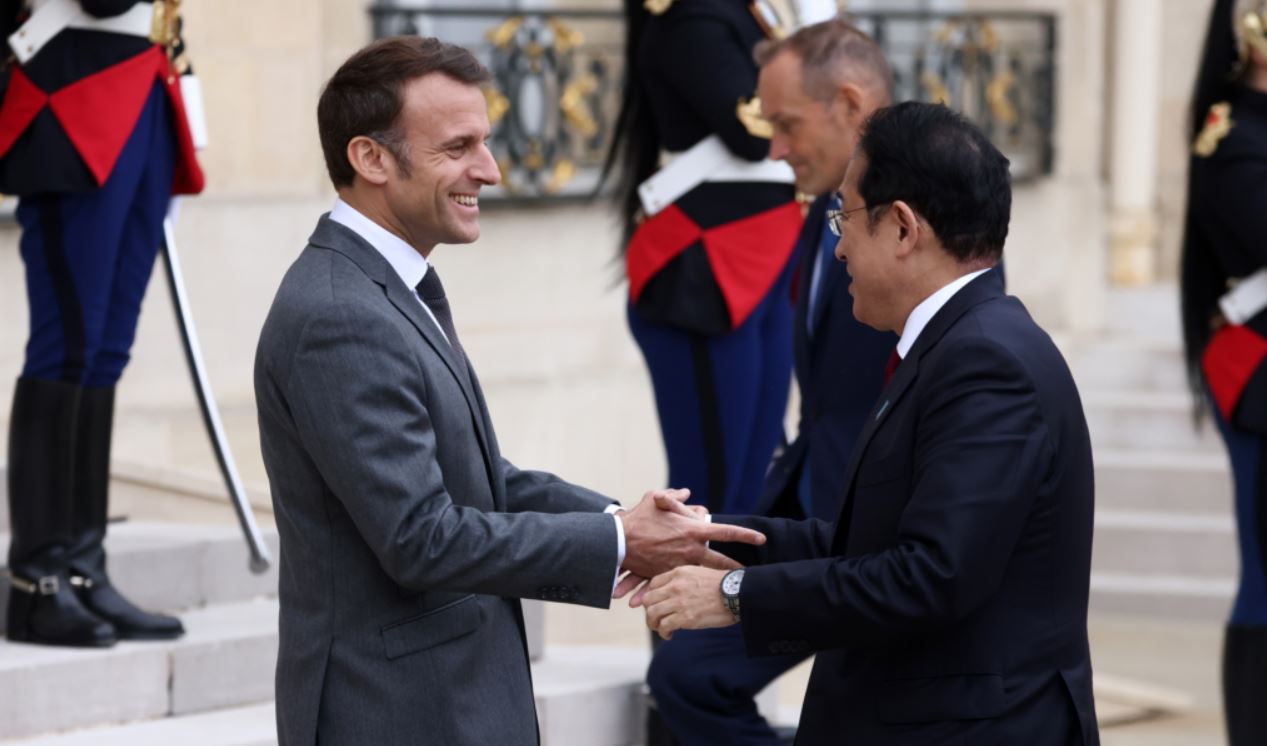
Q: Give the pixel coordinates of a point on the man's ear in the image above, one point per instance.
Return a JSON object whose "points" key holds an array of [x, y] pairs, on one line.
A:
{"points": [[908, 226], [369, 159], [851, 100]]}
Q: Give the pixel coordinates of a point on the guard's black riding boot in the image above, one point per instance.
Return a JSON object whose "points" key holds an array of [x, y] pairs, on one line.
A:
{"points": [[43, 607], [91, 503], [1245, 685]]}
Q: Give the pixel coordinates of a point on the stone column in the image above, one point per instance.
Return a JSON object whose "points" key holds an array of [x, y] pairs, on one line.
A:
{"points": [[1136, 50]]}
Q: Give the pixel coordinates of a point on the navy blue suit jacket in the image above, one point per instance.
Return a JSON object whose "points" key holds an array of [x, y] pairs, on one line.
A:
{"points": [[948, 601], [839, 372]]}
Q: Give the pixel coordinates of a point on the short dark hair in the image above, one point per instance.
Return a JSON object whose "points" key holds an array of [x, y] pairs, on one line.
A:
{"points": [[940, 164], [365, 95], [829, 51]]}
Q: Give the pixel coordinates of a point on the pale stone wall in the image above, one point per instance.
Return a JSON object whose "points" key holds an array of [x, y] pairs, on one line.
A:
{"points": [[1184, 28]]}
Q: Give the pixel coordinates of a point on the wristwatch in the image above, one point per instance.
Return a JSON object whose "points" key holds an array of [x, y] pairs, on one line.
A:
{"points": [[730, 590]]}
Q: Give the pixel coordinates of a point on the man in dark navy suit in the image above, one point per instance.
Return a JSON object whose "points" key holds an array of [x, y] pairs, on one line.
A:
{"points": [[947, 603], [816, 89]]}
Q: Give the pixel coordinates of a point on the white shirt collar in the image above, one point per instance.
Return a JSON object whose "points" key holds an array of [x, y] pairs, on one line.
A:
{"points": [[928, 308], [408, 263]]}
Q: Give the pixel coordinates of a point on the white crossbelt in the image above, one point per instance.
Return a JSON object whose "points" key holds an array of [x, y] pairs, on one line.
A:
{"points": [[707, 160], [1243, 302], [50, 17]]}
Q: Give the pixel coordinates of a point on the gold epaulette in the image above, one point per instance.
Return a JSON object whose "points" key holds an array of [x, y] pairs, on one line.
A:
{"points": [[1217, 124], [749, 112]]}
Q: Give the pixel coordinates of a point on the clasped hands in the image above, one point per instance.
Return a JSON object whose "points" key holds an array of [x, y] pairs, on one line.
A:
{"points": [[668, 566]]}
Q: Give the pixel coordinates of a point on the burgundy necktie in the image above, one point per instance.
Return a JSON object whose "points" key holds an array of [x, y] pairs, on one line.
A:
{"points": [[894, 360]]}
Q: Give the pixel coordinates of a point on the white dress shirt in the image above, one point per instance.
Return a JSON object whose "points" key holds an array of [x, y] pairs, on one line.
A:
{"points": [[408, 264], [411, 267], [928, 308]]}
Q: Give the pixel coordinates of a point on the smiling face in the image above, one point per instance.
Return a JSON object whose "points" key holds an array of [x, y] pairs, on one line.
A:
{"points": [[435, 199]]}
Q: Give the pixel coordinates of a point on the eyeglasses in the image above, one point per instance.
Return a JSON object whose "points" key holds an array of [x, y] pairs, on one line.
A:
{"points": [[836, 219]]}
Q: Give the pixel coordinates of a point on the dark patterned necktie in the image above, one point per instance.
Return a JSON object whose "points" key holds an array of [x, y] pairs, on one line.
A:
{"points": [[431, 290]]}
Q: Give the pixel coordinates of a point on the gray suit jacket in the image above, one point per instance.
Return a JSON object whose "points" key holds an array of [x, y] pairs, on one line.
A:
{"points": [[406, 538]]}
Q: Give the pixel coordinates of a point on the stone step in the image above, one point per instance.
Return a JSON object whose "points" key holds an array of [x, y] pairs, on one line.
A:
{"points": [[172, 566], [1168, 597], [1150, 313], [226, 659], [253, 725], [1123, 363], [1167, 481], [585, 696], [1148, 544], [1180, 562], [591, 695], [1144, 420]]}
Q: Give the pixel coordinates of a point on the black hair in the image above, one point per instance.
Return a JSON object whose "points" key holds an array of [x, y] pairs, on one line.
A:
{"points": [[635, 147], [366, 95], [941, 165], [1201, 279]]}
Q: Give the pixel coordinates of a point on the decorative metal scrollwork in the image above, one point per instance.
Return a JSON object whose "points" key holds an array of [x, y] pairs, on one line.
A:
{"points": [[555, 91], [996, 68], [547, 97]]}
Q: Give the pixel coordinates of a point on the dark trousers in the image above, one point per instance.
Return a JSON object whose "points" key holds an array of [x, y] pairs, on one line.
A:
{"points": [[1245, 643], [704, 684], [721, 399], [89, 258], [1245, 451]]}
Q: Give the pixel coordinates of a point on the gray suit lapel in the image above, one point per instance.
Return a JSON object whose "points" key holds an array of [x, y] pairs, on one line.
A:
{"points": [[342, 239]]}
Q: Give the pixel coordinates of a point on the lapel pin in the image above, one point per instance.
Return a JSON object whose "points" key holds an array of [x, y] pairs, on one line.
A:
{"points": [[883, 408]]}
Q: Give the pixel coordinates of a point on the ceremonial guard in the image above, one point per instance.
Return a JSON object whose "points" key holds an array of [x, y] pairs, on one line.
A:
{"points": [[710, 228], [1224, 297], [95, 140]]}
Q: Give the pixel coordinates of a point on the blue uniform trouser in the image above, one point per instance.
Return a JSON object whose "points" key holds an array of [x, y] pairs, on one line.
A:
{"points": [[721, 399], [89, 258], [704, 683], [1245, 451]]}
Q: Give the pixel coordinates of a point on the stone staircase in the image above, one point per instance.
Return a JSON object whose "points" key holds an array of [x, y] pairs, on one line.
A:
{"points": [[1165, 543], [215, 685]]}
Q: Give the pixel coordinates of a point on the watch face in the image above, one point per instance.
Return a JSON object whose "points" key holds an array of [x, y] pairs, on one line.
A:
{"points": [[730, 583]]}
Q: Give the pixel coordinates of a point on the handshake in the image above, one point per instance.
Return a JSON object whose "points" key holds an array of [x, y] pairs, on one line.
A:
{"points": [[669, 567]]}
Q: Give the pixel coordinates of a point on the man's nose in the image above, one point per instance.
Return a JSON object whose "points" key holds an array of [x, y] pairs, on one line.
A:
{"points": [[778, 147], [486, 170]]}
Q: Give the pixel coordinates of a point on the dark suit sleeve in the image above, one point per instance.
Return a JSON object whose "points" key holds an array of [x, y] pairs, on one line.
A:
{"points": [[546, 493], [981, 451], [106, 8], [702, 60], [786, 540], [362, 417]]}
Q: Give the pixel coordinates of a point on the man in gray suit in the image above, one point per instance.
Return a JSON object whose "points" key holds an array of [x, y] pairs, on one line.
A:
{"points": [[407, 539]]}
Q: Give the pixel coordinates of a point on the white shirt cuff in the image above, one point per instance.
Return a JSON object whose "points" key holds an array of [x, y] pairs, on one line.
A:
{"points": [[620, 545]]}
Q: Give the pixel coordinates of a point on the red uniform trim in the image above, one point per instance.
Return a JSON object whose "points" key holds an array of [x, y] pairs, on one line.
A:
{"points": [[1229, 361], [745, 255], [656, 242], [748, 255], [22, 102], [99, 112]]}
